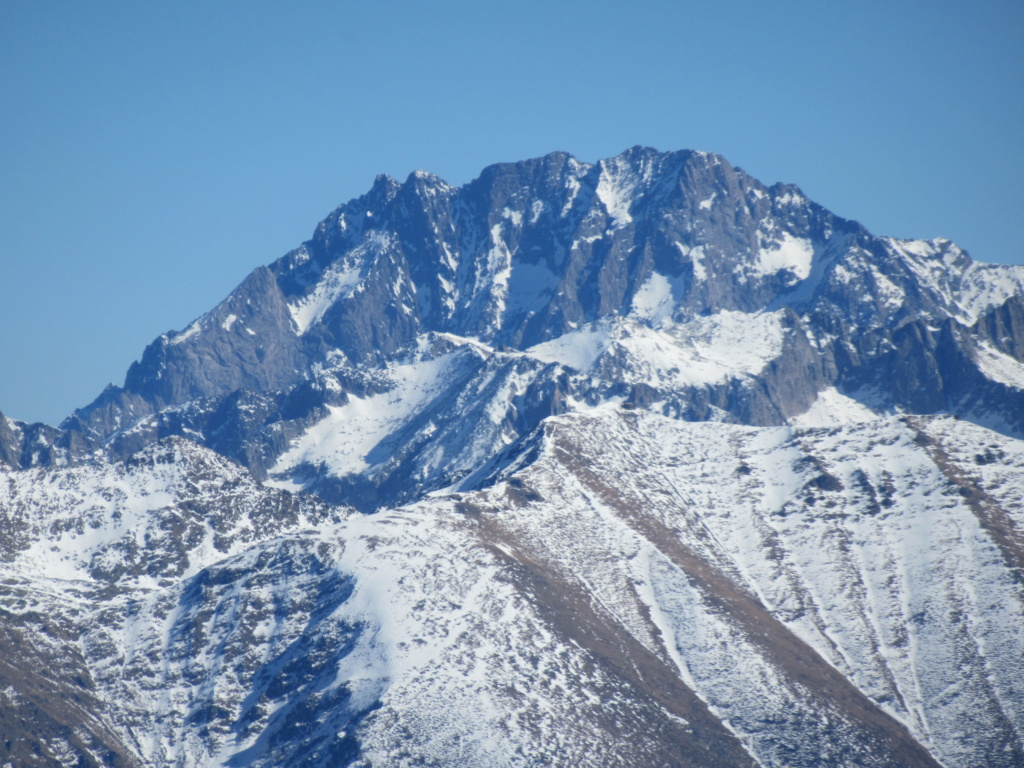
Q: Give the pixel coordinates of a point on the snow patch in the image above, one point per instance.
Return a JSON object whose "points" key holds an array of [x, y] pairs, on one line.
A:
{"points": [[192, 330], [579, 349], [1000, 367], [514, 216], [536, 210], [987, 286], [790, 253], [703, 351], [343, 440], [922, 249], [832, 408], [616, 189], [696, 256], [337, 283], [653, 301]]}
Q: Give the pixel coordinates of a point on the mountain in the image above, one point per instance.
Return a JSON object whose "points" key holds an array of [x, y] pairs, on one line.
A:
{"points": [[631, 463]]}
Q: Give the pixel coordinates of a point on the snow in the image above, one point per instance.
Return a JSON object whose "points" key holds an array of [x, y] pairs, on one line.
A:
{"points": [[337, 282], [696, 256], [514, 216], [343, 440], [229, 321], [922, 249], [842, 275], [967, 289], [833, 408], [1000, 367], [986, 286], [616, 188], [653, 301], [702, 351], [824, 577], [789, 252], [579, 349], [891, 295], [722, 346], [492, 280], [192, 330], [100, 514], [537, 209], [466, 341], [573, 187]]}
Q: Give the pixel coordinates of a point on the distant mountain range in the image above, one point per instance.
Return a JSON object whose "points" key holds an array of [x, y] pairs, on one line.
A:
{"points": [[638, 463]]}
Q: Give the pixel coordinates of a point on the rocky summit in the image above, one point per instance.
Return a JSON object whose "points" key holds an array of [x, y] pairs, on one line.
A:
{"points": [[635, 463]]}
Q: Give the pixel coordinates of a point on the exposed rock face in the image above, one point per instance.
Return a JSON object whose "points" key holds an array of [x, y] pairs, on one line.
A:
{"points": [[666, 467]]}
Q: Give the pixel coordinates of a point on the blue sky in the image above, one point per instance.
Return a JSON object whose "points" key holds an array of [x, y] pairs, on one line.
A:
{"points": [[153, 154]]}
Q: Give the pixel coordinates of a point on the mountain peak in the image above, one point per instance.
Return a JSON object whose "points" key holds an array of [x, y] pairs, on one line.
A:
{"points": [[533, 251], [657, 466]]}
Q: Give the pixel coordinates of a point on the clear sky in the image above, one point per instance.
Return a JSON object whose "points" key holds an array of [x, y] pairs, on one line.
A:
{"points": [[154, 153]]}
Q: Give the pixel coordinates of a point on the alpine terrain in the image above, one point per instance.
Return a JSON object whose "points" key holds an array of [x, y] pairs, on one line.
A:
{"points": [[635, 463]]}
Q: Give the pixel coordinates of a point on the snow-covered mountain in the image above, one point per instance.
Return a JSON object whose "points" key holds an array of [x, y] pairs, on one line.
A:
{"points": [[633, 463]]}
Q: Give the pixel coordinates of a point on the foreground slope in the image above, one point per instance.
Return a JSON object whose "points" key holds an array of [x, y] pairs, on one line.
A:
{"points": [[634, 591]]}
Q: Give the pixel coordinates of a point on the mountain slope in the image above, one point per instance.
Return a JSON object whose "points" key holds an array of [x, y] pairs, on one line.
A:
{"points": [[682, 593]]}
